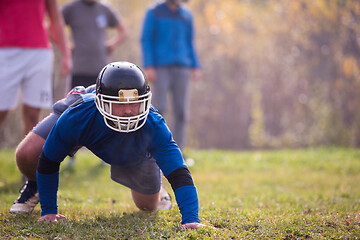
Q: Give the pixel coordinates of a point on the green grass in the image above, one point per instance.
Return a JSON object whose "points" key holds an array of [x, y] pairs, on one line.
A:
{"points": [[285, 194]]}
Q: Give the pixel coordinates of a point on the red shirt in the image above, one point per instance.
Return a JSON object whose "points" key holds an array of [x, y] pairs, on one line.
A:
{"points": [[22, 24]]}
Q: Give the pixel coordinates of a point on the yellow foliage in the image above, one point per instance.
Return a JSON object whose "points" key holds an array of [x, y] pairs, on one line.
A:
{"points": [[350, 67], [210, 12], [295, 5]]}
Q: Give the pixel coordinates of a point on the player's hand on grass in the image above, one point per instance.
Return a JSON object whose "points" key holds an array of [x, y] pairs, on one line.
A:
{"points": [[193, 225], [52, 218]]}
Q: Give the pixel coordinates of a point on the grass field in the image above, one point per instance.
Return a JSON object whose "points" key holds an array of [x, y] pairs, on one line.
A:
{"points": [[284, 194]]}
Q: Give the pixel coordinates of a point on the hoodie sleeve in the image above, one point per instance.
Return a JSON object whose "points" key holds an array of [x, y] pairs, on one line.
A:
{"points": [[147, 39]]}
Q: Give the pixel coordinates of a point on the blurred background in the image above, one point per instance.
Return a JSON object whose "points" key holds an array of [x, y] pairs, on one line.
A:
{"points": [[276, 73]]}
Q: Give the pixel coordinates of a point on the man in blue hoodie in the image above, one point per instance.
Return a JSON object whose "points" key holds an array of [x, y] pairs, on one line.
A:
{"points": [[169, 59]]}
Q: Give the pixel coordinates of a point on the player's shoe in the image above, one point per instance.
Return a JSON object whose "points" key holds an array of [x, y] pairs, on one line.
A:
{"points": [[27, 200], [165, 200]]}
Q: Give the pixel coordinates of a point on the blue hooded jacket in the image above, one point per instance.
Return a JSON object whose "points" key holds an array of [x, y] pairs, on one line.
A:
{"points": [[167, 38]]}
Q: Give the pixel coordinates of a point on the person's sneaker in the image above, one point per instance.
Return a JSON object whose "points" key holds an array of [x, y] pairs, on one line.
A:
{"points": [[27, 200], [165, 200]]}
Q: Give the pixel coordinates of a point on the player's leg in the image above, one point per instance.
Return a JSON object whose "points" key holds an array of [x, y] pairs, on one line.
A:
{"points": [[148, 202], [29, 149], [145, 184], [27, 155], [152, 202]]}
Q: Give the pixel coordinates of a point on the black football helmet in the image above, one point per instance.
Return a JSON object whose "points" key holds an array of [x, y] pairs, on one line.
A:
{"points": [[122, 83]]}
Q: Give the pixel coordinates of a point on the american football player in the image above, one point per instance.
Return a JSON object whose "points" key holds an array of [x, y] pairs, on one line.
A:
{"points": [[120, 126]]}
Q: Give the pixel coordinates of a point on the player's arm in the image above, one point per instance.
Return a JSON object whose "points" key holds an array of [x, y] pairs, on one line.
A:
{"points": [[47, 176], [185, 193], [170, 160], [58, 144]]}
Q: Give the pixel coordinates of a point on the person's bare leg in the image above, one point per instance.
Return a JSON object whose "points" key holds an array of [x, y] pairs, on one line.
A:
{"points": [[31, 117], [148, 202], [27, 154], [3, 116]]}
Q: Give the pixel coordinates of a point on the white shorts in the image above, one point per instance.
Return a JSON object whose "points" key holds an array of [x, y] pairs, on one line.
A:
{"points": [[28, 70]]}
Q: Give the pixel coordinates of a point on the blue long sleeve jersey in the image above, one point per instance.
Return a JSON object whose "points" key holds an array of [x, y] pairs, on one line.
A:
{"points": [[84, 125], [167, 38]]}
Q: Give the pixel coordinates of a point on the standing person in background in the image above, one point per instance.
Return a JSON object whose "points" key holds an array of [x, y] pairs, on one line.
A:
{"points": [[26, 57], [88, 20], [169, 58]]}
